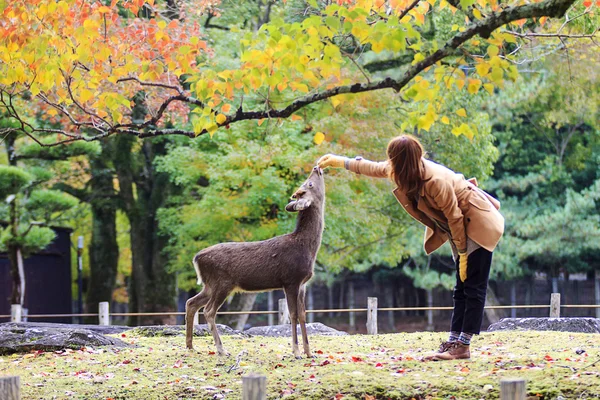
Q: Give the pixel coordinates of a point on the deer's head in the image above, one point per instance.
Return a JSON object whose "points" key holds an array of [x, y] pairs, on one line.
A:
{"points": [[312, 191]]}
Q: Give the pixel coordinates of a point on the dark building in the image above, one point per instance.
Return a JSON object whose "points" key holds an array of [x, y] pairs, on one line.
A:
{"points": [[47, 279]]}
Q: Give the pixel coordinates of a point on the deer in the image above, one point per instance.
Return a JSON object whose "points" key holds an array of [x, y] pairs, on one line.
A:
{"points": [[282, 262]]}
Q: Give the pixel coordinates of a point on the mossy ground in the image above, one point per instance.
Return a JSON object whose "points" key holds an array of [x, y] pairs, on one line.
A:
{"points": [[346, 367]]}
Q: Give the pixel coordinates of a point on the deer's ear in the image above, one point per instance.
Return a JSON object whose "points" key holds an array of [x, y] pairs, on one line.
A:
{"points": [[298, 205]]}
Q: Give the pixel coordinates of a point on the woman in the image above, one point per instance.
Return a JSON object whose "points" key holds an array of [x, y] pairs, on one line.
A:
{"points": [[451, 208]]}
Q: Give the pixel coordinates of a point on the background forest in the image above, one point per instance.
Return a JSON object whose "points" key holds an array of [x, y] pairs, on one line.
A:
{"points": [[146, 206]]}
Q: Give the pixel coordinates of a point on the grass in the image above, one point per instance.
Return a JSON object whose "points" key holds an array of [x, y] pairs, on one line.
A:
{"points": [[348, 367]]}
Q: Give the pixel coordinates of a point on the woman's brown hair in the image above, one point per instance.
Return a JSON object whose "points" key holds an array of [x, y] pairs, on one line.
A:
{"points": [[405, 154]]}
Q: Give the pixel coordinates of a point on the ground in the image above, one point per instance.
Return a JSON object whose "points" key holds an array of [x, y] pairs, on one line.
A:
{"points": [[556, 365]]}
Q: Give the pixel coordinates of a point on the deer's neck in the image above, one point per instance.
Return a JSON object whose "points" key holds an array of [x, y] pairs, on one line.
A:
{"points": [[309, 227]]}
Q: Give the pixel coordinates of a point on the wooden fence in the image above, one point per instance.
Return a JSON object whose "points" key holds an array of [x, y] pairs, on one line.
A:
{"points": [[104, 315]]}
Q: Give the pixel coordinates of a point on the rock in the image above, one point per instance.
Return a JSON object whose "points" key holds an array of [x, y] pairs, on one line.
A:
{"points": [[103, 329], [316, 328], [20, 338], [584, 325], [179, 330]]}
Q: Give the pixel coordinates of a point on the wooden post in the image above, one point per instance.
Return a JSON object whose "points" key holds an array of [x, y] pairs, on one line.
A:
{"points": [[254, 387], [10, 388], [284, 313], [372, 315], [103, 313], [16, 313], [512, 389], [555, 305]]}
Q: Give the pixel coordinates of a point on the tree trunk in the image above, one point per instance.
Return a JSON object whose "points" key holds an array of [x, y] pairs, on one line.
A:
{"points": [[330, 299], [493, 315], [15, 297], [429, 293], [351, 315], [143, 192], [103, 248], [388, 292], [14, 253], [247, 302], [513, 298], [597, 291], [270, 307], [310, 304]]}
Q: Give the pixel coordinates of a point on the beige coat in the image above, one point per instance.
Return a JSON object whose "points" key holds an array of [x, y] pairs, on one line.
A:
{"points": [[450, 199]]}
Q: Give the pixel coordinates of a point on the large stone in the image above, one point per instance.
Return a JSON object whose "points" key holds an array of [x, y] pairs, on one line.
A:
{"points": [[316, 328], [179, 330], [103, 329], [20, 338], [584, 325]]}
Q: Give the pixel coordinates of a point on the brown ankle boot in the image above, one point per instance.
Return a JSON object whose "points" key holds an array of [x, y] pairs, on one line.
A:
{"points": [[451, 351]]}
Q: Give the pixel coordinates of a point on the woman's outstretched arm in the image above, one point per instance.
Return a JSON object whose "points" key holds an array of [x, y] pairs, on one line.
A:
{"points": [[357, 165]]}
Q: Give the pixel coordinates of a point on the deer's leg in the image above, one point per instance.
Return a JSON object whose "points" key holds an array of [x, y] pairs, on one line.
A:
{"points": [[291, 295], [210, 313], [302, 320], [191, 308]]}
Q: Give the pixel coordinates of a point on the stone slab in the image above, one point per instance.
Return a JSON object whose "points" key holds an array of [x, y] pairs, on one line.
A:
{"points": [[315, 328], [575, 324]]}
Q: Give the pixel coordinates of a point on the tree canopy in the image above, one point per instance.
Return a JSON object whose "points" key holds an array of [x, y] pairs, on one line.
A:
{"points": [[83, 61]]}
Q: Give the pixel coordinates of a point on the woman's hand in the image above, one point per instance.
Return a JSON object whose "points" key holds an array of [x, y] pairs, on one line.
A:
{"points": [[331, 160]]}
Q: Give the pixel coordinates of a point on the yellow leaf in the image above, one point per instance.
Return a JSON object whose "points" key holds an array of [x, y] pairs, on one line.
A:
{"points": [[319, 137], [489, 87], [493, 50], [85, 95], [461, 112], [483, 68], [474, 85], [211, 129], [445, 120], [335, 101], [221, 119], [104, 10]]}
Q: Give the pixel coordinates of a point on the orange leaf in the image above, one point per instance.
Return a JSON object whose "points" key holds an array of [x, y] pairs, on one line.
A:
{"points": [[296, 117], [226, 108]]}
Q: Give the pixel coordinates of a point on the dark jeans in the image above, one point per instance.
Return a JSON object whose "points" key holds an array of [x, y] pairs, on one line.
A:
{"points": [[469, 296]]}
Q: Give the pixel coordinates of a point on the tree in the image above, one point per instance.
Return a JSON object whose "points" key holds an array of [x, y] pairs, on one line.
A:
{"points": [[29, 207], [547, 173], [92, 67]]}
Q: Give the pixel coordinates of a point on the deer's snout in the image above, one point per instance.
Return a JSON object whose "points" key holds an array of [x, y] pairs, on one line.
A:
{"points": [[298, 193]]}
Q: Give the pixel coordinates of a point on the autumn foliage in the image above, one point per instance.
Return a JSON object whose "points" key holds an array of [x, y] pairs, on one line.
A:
{"points": [[84, 62]]}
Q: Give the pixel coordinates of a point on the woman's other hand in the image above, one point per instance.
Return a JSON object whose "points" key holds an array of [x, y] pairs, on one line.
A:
{"points": [[331, 160]]}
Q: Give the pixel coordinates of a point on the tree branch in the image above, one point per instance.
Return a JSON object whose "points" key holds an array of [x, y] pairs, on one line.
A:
{"points": [[483, 27]]}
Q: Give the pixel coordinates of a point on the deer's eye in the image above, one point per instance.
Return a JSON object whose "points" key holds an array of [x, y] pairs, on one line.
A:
{"points": [[310, 184]]}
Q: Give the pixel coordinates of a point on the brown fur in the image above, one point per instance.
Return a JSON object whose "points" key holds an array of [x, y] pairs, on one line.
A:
{"points": [[283, 262]]}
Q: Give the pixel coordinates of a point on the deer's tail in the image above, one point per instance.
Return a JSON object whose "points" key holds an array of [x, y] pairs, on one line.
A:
{"points": [[197, 268]]}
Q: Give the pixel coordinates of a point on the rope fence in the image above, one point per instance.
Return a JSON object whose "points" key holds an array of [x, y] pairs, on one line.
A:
{"points": [[554, 306]]}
